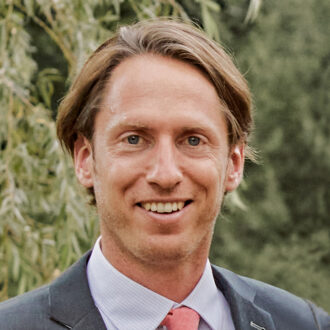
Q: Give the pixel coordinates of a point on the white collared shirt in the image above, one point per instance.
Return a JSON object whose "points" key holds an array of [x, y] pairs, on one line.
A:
{"points": [[127, 305]]}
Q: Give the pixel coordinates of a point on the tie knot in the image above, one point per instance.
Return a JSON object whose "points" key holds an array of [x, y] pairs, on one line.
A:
{"points": [[182, 318]]}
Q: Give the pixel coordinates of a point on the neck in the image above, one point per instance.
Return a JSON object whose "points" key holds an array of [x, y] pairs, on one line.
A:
{"points": [[173, 280]]}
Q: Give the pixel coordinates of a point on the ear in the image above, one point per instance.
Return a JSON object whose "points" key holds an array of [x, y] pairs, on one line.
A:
{"points": [[83, 161], [235, 167]]}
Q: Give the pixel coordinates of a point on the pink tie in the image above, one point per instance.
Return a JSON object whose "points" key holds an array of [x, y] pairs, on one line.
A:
{"points": [[182, 318]]}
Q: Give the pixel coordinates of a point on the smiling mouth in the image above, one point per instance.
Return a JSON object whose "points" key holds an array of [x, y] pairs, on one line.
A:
{"points": [[164, 207]]}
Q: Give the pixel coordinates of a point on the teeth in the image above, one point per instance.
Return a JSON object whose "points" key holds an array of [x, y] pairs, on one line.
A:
{"points": [[147, 206], [168, 208], [160, 207], [163, 207]]}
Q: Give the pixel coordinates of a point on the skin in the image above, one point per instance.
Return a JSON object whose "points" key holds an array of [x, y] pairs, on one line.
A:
{"points": [[160, 136]]}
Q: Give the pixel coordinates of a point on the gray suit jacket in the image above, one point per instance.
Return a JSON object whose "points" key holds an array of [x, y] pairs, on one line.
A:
{"points": [[67, 304]]}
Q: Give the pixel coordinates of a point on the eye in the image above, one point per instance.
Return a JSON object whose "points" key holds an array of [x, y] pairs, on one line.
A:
{"points": [[194, 140], [133, 139]]}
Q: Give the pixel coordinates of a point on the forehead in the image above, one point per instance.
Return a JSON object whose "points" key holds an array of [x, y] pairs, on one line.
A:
{"points": [[145, 87], [145, 73]]}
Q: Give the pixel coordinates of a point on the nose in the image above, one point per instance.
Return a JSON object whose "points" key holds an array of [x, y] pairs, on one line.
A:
{"points": [[164, 170]]}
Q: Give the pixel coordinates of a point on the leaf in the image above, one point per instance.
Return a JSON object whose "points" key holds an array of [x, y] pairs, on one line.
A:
{"points": [[253, 11]]}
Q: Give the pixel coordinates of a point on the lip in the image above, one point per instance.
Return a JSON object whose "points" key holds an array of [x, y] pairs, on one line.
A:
{"points": [[164, 200]]}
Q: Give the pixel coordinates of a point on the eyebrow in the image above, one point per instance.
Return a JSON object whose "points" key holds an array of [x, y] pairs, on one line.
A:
{"points": [[140, 126], [120, 124], [135, 126], [194, 129]]}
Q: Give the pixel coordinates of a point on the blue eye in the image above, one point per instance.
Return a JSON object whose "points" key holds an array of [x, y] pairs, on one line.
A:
{"points": [[133, 139], [194, 140]]}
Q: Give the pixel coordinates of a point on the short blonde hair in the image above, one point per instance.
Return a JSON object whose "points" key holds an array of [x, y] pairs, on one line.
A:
{"points": [[165, 37]]}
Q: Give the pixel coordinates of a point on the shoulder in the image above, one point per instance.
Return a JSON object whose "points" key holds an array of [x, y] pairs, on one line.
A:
{"points": [[287, 310], [287, 307], [27, 311], [66, 300]]}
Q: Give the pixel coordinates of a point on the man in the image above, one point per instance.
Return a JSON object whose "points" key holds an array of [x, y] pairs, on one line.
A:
{"points": [[157, 123]]}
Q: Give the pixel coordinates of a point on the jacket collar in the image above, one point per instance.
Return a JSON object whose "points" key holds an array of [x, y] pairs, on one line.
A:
{"points": [[70, 300], [241, 299], [72, 305]]}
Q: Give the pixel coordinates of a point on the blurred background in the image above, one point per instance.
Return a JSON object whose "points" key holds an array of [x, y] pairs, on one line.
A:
{"points": [[276, 228]]}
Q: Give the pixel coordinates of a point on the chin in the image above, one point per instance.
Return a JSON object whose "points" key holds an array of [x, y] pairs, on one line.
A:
{"points": [[169, 251]]}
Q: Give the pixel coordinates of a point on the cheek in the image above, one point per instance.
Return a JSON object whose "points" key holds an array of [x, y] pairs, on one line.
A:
{"points": [[212, 177], [211, 173], [115, 176]]}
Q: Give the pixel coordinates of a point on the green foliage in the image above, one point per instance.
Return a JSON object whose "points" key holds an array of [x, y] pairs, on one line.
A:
{"points": [[284, 232], [45, 221], [278, 229]]}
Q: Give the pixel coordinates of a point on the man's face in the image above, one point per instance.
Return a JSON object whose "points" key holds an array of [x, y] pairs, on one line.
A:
{"points": [[160, 161]]}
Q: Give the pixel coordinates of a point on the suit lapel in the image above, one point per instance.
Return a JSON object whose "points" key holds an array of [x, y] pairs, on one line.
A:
{"points": [[240, 296], [70, 300], [72, 305]]}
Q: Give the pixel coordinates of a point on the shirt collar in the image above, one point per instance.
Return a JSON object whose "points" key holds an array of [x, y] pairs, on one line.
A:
{"points": [[207, 300], [130, 305]]}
